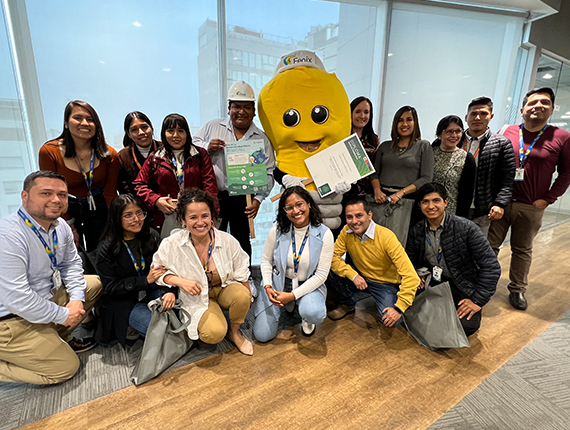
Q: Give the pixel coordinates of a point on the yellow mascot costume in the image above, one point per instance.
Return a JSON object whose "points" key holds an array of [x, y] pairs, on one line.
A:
{"points": [[303, 110]]}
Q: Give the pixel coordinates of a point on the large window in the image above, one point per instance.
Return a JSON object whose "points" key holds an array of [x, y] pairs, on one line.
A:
{"points": [[16, 154], [120, 56], [440, 59]]}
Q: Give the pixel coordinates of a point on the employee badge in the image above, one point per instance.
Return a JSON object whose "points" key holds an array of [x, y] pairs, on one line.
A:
{"points": [[519, 174], [437, 272], [56, 278]]}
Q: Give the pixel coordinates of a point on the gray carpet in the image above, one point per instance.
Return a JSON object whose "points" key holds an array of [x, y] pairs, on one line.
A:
{"points": [[531, 391]]}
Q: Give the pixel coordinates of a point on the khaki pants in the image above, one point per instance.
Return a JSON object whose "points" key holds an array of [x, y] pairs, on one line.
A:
{"points": [[236, 298], [525, 222], [37, 353]]}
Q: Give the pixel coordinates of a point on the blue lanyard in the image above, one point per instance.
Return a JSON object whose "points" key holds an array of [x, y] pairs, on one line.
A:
{"points": [[139, 269], [522, 153], [51, 254], [439, 250], [297, 257], [88, 176], [179, 172], [210, 249]]}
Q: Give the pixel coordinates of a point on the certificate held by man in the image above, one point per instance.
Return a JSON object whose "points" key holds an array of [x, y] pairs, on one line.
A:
{"points": [[344, 161]]}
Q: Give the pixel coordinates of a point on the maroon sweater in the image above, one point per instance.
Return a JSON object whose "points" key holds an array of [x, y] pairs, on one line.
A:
{"points": [[550, 153]]}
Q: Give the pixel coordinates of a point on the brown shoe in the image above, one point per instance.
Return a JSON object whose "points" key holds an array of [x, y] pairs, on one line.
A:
{"points": [[340, 312], [82, 345]]}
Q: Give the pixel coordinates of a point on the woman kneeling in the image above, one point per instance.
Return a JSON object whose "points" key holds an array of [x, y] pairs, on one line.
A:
{"points": [[294, 265], [210, 269]]}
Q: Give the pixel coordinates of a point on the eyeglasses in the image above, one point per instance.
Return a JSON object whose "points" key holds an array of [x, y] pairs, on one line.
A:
{"points": [[130, 217], [450, 132], [299, 206]]}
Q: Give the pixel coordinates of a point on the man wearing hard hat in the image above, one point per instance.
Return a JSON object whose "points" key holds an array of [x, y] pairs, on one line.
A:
{"points": [[218, 133]]}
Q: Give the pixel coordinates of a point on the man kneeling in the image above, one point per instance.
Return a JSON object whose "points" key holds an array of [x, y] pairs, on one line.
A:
{"points": [[455, 251], [380, 265], [43, 294]]}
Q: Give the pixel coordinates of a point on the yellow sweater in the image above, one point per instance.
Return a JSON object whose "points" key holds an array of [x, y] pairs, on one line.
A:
{"points": [[380, 260]]}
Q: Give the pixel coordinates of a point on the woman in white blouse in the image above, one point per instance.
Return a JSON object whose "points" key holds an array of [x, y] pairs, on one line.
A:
{"points": [[210, 269], [295, 264]]}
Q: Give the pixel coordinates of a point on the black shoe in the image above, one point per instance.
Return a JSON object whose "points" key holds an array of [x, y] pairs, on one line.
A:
{"points": [[82, 345], [518, 301]]}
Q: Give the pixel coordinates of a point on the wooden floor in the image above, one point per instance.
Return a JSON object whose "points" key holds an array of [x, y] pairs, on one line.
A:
{"points": [[352, 374]]}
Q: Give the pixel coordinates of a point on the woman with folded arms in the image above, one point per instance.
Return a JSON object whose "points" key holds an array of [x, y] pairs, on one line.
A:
{"points": [[454, 167], [124, 265], [295, 264], [138, 144], [89, 166], [210, 270], [177, 166]]}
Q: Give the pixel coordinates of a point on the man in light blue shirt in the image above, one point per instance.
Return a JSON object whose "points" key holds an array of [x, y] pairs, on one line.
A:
{"points": [[43, 293], [214, 137]]}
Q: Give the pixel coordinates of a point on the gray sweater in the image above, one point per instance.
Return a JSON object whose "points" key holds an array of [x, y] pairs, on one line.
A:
{"points": [[397, 169]]}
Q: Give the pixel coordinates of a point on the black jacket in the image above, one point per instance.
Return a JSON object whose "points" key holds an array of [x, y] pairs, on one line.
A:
{"points": [[495, 173], [471, 262], [121, 287]]}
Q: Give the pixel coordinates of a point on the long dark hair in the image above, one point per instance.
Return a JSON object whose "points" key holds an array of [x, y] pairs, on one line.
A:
{"points": [[416, 134], [367, 132], [114, 233], [195, 195], [127, 141], [172, 121], [98, 143], [284, 223]]}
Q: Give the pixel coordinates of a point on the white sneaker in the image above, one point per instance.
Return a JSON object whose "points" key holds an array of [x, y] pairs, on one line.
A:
{"points": [[308, 329]]}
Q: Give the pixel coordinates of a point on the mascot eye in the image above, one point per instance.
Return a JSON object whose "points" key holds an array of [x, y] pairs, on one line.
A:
{"points": [[291, 118], [320, 114]]}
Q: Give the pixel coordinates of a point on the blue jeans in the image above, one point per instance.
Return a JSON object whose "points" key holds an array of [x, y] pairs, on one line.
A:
{"points": [[385, 295], [139, 319], [312, 309]]}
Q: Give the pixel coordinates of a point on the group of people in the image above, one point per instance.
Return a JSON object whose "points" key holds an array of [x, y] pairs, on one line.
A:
{"points": [[445, 207]]}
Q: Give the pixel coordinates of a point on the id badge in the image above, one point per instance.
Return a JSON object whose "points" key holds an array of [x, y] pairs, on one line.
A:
{"points": [[437, 272], [56, 278], [294, 283], [519, 174], [142, 295]]}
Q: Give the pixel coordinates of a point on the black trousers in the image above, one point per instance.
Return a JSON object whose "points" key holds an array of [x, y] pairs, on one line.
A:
{"points": [[232, 214], [89, 224]]}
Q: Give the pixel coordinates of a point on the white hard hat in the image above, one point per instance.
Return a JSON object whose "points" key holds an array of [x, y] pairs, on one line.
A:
{"points": [[241, 92], [299, 59]]}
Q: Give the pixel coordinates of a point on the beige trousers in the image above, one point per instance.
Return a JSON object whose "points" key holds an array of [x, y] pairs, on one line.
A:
{"points": [[235, 298], [37, 353]]}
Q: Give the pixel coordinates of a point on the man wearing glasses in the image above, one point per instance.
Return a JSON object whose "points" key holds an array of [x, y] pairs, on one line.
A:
{"points": [[380, 266], [495, 162], [214, 136], [43, 293]]}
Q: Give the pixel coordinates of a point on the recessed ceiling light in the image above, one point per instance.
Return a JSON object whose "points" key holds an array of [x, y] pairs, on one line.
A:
{"points": [[547, 76]]}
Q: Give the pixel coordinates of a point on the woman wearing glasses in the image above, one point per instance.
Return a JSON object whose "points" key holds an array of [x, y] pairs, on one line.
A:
{"points": [[138, 144], [124, 265], [210, 270], [295, 264], [454, 168], [90, 168]]}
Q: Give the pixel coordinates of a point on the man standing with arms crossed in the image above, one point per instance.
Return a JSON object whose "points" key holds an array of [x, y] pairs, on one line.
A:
{"points": [[43, 294], [540, 151], [495, 162]]}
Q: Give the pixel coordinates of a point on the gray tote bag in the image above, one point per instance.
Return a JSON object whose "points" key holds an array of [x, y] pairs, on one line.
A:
{"points": [[432, 319], [165, 343]]}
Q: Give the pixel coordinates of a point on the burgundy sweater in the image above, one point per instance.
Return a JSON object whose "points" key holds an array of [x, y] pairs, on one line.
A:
{"points": [[550, 153]]}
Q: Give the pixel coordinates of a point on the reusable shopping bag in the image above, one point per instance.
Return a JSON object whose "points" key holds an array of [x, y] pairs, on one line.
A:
{"points": [[165, 343]]}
